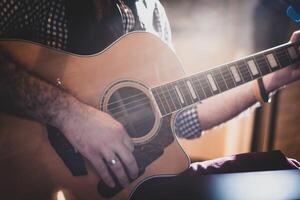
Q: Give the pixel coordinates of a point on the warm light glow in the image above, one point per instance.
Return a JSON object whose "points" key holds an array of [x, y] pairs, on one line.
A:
{"points": [[60, 195]]}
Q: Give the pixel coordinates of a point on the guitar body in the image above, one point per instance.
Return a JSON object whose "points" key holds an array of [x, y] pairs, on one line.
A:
{"points": [[30, 167]]}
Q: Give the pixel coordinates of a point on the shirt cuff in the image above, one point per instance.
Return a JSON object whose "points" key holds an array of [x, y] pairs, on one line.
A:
{"points": [[187, 124]]}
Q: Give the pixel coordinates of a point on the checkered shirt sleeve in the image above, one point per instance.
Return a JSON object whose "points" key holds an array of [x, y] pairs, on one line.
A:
{"points": [[127, 17], [187, 124]]}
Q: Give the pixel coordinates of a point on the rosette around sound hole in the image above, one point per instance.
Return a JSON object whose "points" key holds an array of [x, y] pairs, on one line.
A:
{"points": [[133, 108]]}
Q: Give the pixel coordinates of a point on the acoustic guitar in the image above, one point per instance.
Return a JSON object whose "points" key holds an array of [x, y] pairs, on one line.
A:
{"points": [[140, 82]]}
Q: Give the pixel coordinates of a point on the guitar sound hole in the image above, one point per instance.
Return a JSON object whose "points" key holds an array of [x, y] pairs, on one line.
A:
{"points": [[132, 107]]}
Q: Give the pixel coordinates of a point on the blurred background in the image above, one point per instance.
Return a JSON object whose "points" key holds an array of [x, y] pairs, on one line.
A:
{"points": [[209, 33]]}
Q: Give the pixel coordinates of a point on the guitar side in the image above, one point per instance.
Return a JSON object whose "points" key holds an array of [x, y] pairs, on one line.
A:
{"points": [[30, 167]]}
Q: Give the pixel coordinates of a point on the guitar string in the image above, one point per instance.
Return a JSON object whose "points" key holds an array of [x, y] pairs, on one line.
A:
{"points": [[128, 109], [196, 76], [141, 100], [148, 99], [162, 93], [142, 103], [114, 102]]}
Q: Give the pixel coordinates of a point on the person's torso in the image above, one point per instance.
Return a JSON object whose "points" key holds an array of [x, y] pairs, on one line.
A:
{"points": [[71, 25]]}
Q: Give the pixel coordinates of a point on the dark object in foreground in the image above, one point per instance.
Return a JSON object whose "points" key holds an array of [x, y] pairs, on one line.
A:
{"points": [[280, 184]]}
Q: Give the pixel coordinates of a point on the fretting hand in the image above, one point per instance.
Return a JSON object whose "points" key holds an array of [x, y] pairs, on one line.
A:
{"points": [[284, 76]]}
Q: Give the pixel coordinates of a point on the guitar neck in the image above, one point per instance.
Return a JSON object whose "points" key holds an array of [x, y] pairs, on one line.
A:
{"points": [[184, 92]]}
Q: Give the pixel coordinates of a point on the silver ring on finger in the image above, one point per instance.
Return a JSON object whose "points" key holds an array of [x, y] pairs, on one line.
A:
{"points": [[112, 162]]}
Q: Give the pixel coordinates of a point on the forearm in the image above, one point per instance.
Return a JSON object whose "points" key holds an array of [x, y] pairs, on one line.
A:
{"points": [[228, 105], [25, 95]]}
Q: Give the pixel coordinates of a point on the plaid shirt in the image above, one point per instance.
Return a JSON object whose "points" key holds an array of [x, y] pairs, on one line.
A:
{"points": [[46, 22], [187, 123]]}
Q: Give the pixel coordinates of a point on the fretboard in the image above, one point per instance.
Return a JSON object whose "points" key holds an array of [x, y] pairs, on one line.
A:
{"points": [[179, 94]]}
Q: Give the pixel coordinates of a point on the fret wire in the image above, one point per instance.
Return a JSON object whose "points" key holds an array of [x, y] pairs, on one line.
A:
{"points": [[214, 76], [170, 99], [285, 55], [158, 101], [182, 95], [239, 72], [207, 83], [281, 56], [188, 91], [218, 76], [247, 66], [180, 86], [176, 98], [246, 70], [263, 63], [214, 79], [222, 76], [204, 85], [181, 92], [266, 59], [234, 65], [229, 71], [194, 88], [165, 100], [228, 77], [281, 52], [275, 56], [200, 86], [173, 96], [216, 72], [179, 100], [257, 66]]}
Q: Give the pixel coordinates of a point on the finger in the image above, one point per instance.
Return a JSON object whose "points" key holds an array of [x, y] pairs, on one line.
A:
{"points": [[102, 170], [128, 160], [127, 140], [295, 36], [129, 144], [117, 168]]}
